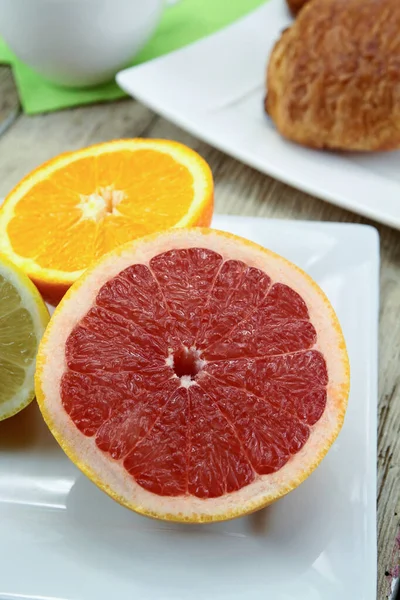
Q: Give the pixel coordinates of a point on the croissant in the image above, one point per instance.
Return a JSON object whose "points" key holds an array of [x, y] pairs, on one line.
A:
{"points": [[296, 5], [333, 78]]}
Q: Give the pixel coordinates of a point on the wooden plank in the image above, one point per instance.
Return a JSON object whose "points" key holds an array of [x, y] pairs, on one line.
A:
{"points": [[243, 191], [9, 102]]}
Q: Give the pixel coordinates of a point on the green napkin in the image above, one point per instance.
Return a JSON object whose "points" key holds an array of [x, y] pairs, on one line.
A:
{"points": [[6, 56], [183, 23]]}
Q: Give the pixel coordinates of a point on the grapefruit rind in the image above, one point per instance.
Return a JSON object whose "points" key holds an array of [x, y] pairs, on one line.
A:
{"points": [[111, 476], [199, 214]]}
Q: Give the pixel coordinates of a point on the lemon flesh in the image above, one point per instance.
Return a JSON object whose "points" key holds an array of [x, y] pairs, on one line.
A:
{"points": [[23, 319]]}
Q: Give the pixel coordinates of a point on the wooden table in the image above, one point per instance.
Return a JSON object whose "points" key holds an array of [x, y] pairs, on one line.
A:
{"points": [[241, 191]]}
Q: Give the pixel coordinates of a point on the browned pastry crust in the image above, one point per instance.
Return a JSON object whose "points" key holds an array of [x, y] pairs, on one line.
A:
{"points": [[296, 5], [334, 76]]}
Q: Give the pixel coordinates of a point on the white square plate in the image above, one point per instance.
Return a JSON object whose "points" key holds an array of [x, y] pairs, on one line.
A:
{"points": [[62, 538], [214, 88]]}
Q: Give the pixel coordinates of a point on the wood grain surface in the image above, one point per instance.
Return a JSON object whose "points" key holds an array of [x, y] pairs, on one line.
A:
{"points": [[9, 101], [240, 190]]}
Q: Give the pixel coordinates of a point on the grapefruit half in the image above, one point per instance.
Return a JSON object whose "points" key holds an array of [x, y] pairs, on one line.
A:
{"points": [[194, 376]]}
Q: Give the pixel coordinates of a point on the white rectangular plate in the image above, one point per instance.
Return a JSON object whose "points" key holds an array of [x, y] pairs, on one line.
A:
{"points": [[61, 537], [214, 88]]}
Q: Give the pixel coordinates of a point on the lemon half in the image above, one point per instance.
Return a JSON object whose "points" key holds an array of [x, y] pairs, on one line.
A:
{"points": [[23, 319]]}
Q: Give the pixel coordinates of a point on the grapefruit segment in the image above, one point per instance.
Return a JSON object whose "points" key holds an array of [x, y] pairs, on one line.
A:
{"points": [[186, 278], [158, 461], [217, 463], [194, 376], [293, 382], [106, 341], [278, 325], [267, 435], [236, 291], [135, 295]]}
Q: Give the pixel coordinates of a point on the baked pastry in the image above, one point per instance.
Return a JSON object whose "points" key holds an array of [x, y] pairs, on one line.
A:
{"points": [[296, 5], [334, 76]]}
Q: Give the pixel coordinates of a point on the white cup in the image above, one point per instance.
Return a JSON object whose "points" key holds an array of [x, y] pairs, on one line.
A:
{"points": [[78, 43]]}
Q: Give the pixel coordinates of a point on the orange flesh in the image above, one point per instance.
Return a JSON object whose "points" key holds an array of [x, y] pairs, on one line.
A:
{"points": [[97, 203]]}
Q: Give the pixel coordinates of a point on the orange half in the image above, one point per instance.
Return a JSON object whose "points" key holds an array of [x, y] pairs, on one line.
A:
{"points": [[80, 205]]}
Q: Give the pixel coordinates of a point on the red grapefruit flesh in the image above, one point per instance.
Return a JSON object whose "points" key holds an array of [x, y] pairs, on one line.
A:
{"points": [[194, 376]]}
